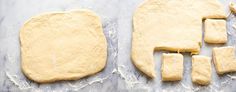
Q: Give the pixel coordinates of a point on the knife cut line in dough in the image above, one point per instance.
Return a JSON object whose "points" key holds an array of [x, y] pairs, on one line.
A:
{"points": [[62, 46], [173, 25]]}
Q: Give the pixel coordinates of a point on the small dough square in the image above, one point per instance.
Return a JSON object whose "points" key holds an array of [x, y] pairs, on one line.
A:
{"points": [[232, 7], [215, 31], [201, 69], [172, 67], [224, 59]]}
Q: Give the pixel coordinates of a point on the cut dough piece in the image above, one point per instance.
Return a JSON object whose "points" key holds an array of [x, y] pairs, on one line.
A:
{"points": [[63, 46], [232, 7], [172, 67], [224, 59], [215, 31], [201, 69], [171, 25]]}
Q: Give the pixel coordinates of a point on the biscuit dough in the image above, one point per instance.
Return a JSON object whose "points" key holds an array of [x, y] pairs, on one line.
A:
{"points": [[224, 59], [215, 31], [173, 25], [62, 46], [201, 69], [232, 7], [172, 67]]}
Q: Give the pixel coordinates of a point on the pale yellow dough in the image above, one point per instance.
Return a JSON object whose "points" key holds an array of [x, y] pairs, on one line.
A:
{"points": [[173, 25], [232, 7], [62, 46], [215, 31], [172, 67], [201, 69], [224, 59]]}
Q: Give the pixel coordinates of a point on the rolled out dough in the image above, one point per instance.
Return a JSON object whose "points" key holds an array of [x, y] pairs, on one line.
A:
{"points": [[173, 25], [62, 46]]}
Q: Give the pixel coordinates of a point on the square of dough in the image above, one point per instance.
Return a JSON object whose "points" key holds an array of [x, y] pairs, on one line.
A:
{"points": [[201, 69], [232, 7], [215, 31], [172, 67], [224, 59]]}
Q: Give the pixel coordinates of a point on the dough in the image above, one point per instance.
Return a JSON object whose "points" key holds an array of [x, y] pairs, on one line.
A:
{"points": [[201, 69], [215, 31], [172, 67], [232, 7], [224, 59], [173, 25], [62, 46]]}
